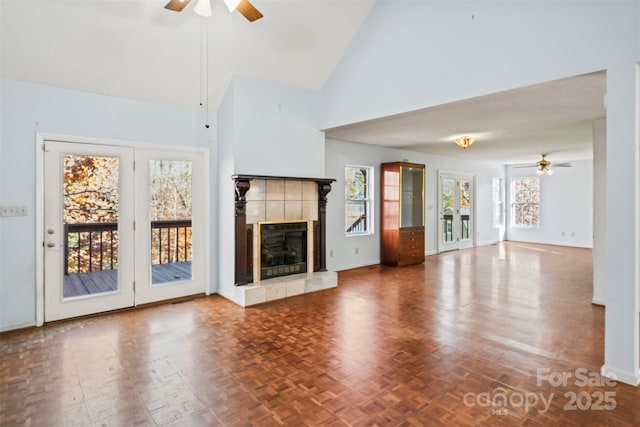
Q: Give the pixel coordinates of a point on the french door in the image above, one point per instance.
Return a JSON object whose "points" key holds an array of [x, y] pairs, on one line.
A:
{"points": [[171, 241], [456, 213], [122, 226]]}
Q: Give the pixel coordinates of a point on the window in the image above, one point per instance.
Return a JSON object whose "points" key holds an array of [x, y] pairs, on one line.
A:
{"points": [[358, 215], [496, 198], [525, 202]]}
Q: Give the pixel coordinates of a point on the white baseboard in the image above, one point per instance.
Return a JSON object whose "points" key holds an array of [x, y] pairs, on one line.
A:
{"points": [[597, 301], [231, 296], [431, 252], [487, 243], [551, 243], [20, 326], [622, 376], [358, 265]]}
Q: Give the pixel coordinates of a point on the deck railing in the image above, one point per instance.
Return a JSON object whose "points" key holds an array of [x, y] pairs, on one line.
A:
{"points": [[94, 247], [448, 227], [359, 225]]}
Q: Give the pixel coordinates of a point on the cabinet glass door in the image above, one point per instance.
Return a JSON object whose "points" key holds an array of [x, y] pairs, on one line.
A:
{"points": [[412, 208]]}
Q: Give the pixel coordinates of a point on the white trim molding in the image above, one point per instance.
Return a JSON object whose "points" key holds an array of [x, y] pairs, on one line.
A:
{"points": [[621, 376]]}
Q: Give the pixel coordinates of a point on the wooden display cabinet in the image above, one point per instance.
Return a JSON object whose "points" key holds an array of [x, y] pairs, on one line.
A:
{"points": [[402, 224]]}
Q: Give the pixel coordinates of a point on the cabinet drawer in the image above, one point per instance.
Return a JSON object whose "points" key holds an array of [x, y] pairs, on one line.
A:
{"points": [[411, 233], [410, 258]]}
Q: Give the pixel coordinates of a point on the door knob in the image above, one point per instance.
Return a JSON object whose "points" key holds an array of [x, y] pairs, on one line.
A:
{"points": [[51, 244]]}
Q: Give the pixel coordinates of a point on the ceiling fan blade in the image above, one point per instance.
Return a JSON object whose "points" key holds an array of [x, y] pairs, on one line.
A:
{"points": [[526, 166], [177, 5], [561, 165], [249, 11]]}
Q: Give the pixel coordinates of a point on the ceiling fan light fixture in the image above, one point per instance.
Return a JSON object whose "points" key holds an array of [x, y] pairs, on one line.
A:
{"points": [[232, 4], [203, 8], [550, 172], [465, 141], [177, 5], [540, 171]]}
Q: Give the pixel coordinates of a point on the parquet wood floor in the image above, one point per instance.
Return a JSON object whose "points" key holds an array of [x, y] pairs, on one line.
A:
{"points": [[430, 344]]}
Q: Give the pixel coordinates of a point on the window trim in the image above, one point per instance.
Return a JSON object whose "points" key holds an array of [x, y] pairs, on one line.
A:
{"points": [[369, 200]]}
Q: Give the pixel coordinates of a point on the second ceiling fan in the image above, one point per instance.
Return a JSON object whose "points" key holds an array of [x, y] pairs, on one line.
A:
{"points": [[203, 8], [544, 166]]}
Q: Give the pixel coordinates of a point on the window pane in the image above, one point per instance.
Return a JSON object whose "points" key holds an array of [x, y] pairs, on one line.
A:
{"points": [[525, 196], [355, 183], [355, 216], [496, 196], [358, 213]]}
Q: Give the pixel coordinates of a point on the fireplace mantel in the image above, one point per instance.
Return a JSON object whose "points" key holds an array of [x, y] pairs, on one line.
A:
{"points": [[244, 232], [242, 177]]}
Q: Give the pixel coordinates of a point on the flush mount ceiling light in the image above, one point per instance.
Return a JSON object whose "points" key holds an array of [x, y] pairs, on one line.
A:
{"points": [[465, 142]]}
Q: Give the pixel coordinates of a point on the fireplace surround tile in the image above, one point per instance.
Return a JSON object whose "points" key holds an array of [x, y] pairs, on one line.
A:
{"points": [[275, 189], [275, 210], [257, 191], [292, 190], [256, 211], [310, 210], [293, 210], [275, 199], [309, 191]]}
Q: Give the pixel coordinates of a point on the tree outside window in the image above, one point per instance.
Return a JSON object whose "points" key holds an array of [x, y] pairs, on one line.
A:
{"points": [[525, 202], [358, 216]]}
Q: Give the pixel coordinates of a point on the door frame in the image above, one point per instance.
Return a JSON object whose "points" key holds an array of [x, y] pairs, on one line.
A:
{"points": [[457, 175], [41, 137]]}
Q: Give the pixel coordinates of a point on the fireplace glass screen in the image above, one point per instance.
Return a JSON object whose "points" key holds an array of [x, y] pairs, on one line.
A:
{"points": [[283, 249]]}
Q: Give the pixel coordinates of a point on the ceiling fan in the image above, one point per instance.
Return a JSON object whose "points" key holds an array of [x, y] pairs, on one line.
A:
{"points": [[203, 8], [544, 166]]}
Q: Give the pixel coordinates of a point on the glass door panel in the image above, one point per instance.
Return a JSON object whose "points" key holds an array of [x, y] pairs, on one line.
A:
{"points": [[456, 211], [172, 262], [465, 209], [170, 206], [88, 229], [90, 217], [448, 209]]}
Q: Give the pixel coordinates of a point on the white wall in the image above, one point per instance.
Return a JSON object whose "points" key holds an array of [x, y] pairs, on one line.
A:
{"points": [[339, 153], [29, 108], [265, 128], [407, 54], [225, 193], [275, 133], [566, 206]]}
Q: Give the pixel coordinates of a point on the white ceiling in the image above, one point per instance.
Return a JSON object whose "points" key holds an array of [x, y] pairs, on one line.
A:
{"points": [[137, 49], [511, 127]]}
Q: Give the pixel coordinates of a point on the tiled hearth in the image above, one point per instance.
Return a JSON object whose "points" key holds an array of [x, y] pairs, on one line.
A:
{"points": [[273, 200], [284, 287]]}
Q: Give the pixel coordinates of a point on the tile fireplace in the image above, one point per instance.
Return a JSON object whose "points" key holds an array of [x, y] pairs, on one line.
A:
{"points": [[280, 228]]}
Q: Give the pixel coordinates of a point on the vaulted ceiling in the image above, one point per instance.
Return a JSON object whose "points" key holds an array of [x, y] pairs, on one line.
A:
{"points": [[137, 49]]}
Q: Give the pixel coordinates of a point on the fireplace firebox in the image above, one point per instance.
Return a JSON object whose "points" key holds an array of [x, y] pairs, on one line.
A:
{"points": [[283, 249]]}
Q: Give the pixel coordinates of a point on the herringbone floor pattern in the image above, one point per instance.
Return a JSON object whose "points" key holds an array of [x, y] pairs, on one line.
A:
{"points": [[456, 341]]}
